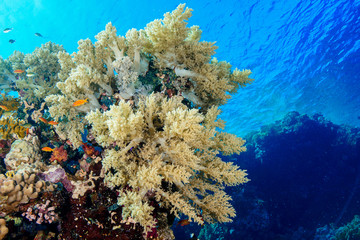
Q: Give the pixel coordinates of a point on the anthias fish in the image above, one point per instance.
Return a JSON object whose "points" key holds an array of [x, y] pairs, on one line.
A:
{"points": [[47, 149], [43, 120], [80, 102], [183, 222], [19, 71], [4, 107], [53, 123]]}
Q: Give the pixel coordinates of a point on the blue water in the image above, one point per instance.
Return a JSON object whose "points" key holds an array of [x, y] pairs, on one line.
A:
{"points": [[304, 54]]}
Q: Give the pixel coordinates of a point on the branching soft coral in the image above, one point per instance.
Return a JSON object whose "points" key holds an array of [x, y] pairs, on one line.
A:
{"points": [[89, 73], [176, 46], [163, 143], [16, 60], [84, 77], [42, 68], [40, 74]]}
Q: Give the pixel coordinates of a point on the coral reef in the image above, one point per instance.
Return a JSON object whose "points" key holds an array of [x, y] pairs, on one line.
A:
{"points": [[349, 231], [7, 79], [125, 66], [41, 213], [300, 165], [178, 47], [5, 146], [124, 135]]}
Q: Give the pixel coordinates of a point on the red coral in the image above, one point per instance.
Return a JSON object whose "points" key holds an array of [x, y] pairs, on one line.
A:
{"points": [[59, 155], [90, 150]]}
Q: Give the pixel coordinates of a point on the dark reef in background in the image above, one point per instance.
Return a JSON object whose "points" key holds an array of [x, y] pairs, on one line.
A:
{"points": [[304, 173]]}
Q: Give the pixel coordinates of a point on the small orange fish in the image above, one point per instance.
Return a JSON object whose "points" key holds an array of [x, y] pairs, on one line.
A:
{"points": [[43, 120], [27, 131], [19, 71], [4, 107], [183, 222], [53, 123], [80, 102], [47, 149]]}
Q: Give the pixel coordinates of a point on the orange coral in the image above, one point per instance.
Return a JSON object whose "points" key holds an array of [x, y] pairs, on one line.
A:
{"points": [[59, 154]]}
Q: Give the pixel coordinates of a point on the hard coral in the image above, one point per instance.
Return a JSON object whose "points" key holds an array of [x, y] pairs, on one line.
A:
{"points": [[11, 103], [23, 153], [41, 213], [3, 229], [10, 126], [20, 189]]}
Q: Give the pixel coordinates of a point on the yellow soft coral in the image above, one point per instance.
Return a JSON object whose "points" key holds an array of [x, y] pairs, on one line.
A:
{"points": [[163, 143], [176, 46], [159, 147]]}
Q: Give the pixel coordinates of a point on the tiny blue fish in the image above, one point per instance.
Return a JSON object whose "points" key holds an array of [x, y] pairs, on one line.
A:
{"points": [[6, 30], [38, 35], [11, 41]]}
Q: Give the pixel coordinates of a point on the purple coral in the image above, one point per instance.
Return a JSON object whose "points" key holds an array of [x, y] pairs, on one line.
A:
{"points": [[56, 175], [42, 213]]}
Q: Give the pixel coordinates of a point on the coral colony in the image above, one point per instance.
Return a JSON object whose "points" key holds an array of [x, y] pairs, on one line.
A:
{"points": [[118, 139]]}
